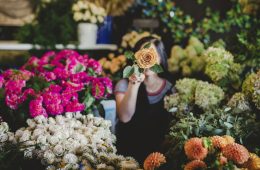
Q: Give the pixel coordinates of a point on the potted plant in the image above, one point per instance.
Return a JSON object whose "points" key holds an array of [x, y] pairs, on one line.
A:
{"points": [[89, 16]]}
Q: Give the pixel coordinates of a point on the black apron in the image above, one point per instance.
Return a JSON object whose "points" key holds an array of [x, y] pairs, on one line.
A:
{"points": [[145, 132]]}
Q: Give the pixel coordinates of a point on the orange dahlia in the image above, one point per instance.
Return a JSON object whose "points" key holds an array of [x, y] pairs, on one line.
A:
{"points": [[235, 152], [229, 139], [253, 162], [218, 141], [194, 149], [195, 164], [222, 160], [154, 160]]}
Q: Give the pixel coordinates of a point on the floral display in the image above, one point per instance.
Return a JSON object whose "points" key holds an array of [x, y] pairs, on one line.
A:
{"points": [[221, 68], [142, 59], [154, 160], [191, 92], [189, 60], [113, 65], [116, 7], [85, 11], [72, 141], [239, 103], [54, 84], [130, 39], [232, 155]]}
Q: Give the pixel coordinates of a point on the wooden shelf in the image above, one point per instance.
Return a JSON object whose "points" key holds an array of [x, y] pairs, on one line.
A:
{"points": [[14, 46]]}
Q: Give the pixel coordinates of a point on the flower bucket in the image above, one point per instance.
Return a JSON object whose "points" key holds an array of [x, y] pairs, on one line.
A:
{"points": [[87, 34], [105, 31]]}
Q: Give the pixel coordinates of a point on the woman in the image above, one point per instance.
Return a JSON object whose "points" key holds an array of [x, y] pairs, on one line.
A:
{"points": [[143, 121]]}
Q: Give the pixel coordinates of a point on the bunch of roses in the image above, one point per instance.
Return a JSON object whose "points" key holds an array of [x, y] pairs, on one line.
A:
{"points": [[54, 83], [191, 92], [71, 142], [218, 152]]}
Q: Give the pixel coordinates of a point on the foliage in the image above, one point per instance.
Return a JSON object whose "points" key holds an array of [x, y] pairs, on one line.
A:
{"points": [[53, 25]]}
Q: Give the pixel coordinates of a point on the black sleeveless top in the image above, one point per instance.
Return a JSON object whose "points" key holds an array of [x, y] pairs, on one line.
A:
{"points": [[145, 132]]}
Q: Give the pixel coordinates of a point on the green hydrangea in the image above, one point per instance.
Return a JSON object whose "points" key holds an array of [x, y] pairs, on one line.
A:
{"points": [[208, 96], [251, 88], [192, 92], [239, 103], [188, 60], [221, 69]]}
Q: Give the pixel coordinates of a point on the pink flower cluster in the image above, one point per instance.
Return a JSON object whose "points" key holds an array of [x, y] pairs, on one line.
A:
{"points": [[69, 76]]}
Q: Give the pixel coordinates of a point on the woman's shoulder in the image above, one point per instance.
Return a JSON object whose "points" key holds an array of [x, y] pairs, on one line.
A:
{"points": [[121, 86]]}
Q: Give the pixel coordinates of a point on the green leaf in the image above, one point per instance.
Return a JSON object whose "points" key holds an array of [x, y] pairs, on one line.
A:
{"points": [[128, 71], [129, 55], [148, 45], [79, 68], [88, 101], [48, 67], [136, 69], [157, 68], [207, 143]]}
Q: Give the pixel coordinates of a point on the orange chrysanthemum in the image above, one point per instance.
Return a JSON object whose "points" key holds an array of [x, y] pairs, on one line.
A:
{"points": [[195, 164], [218, 141], [253, 162], [154, 160], [222, 160], [235, 152], [194, 149], [229, 139]]}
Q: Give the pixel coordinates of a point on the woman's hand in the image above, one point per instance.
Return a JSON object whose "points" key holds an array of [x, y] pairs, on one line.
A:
{"points": [[136, 79]]}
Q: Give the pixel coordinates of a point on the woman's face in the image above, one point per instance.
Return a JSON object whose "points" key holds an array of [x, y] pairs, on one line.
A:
{"points": [[148, 72]]}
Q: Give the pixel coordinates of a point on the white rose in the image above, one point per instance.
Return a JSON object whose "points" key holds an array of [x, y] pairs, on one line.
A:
{"points": [[3, 137], [49, 157], [81, 5], [40, 119], [19, 133], [10, 136], [60, 120], [31, 123], [58, 150], [100, 19], [26, 136], [51, 167], [53, 140], [36, 133], [42, 140], [69, 115], [28, 154], [75, 7], [51, 120], [70, 158], [77, 16], [4, 127]]}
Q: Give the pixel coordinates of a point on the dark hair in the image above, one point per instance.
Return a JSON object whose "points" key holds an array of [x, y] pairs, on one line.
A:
{"points": [[160, 50]]}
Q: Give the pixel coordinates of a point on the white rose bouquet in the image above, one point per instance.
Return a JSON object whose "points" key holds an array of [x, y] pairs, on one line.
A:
{"points": [[85, 11]]}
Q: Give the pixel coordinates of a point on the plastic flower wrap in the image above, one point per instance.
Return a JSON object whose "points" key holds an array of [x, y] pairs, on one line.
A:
{"points": [[71, 142], [191, 92], [85, 11], [221, 69], [113, 65], [231, 155], [187, 61], [130, 39], [251, 88], [51, 85], [115, 7]]}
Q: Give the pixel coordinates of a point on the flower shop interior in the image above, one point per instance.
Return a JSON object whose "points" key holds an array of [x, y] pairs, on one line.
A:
{"points": [[130, 84]]}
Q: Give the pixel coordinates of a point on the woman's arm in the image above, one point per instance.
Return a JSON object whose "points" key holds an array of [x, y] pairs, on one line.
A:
{"points": [[126, 102]]}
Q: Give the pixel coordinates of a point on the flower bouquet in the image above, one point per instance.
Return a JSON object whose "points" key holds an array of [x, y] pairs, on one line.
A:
{"points": [[89, 16], [218, 152], [52, 85], [146, 58]]}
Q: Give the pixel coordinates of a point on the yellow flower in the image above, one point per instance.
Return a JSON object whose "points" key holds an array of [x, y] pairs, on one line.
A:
{"points": [[146, 58], [253, 163]]}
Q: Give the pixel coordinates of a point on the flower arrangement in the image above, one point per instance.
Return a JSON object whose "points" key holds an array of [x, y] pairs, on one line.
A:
{"points": [[221, 68], [112, 66], [54, 84], [217, 152], [154, 160], [130, 39], [85, 11], [146, 58], [191, 93], [187, 61], [116, 7], [73, 141]]}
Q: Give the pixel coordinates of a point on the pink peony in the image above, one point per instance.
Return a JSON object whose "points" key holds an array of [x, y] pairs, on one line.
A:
{"points": [[61, 73], [74, 107], [81, 77], [95, 65], [14, 86], [12, 74], [72, 87], [54, 88], [31, 64], [47, 57], [108, 84], [1, 81], [51, 98], [27, 93], [67, 97], [36, 108], [13, 100], [98, 89], [48, 76]]}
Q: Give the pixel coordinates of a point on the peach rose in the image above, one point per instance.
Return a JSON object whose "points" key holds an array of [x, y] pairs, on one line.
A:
{"points": [[146, 58]]}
